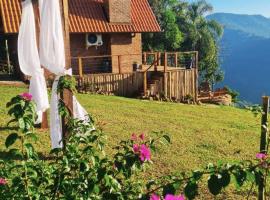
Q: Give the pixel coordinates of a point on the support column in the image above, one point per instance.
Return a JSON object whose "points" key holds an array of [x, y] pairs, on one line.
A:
{"points": [[263, 145], [44, 123], [67, 96]]}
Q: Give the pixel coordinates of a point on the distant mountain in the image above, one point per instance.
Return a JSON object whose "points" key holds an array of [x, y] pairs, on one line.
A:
{"points": [[245, 54], [256, 25]]}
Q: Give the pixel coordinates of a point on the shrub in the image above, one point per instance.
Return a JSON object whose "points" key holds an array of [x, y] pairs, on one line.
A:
{"points": [[82, 170]]}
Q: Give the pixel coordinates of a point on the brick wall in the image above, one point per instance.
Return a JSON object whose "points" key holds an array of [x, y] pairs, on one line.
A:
{"points": [[113, 44], [118, 11], [124, 44], [78, 49]]}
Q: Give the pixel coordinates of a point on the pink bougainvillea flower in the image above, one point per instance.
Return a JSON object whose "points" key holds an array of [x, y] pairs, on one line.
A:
{"points": [[154, 197], [3, 181], [27, 96], [145, 153], [134, 137], [261, 156], [142, 136], [136, 148], [172, 197], [180, 197]]}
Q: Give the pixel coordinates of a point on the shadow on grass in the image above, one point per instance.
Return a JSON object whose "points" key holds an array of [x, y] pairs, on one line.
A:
{"points": [[8, 128], [8, 156]]}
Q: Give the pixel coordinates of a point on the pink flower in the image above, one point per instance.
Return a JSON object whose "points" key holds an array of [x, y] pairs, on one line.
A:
{"points": [[27, 96], [136, 148], [261, 156], [154, 197], [134, 137], [172, 197], [3, 181], [145, 153], [142, 136]]}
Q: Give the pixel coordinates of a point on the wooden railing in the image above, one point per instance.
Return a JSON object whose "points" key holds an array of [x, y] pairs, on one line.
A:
{"points": [[165, 62], [172, 59], [183, 64], [126, 84], [84, 65]]}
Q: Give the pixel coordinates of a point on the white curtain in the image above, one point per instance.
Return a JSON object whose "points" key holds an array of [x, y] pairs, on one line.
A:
{"points": [[52, 56], [29, 59]]}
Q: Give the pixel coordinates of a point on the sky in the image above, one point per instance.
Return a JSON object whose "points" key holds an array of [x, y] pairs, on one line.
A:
{"points": [[261, 7]]}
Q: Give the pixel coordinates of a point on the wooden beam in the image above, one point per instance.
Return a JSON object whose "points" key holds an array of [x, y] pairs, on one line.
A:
{"points": [[263, 145], [165, 61], [44, 123], [80, 67], [119, 65], [165, 86], [176, 59], [7, 57], [196, 76], [156, 61], [159, 60], [145, 83], [144, 58], [67, 96]]}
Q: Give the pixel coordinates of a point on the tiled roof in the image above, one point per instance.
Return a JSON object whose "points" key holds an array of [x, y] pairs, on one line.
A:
{"points": [[87, 16]]}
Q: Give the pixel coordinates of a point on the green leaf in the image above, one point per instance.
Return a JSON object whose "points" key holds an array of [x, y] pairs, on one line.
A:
{"points": [[56, 151], [214, 184], [225, 179], [84, 166], [191, 190], [21, 123], [11, 139], [15, 153], [167, 138], [240, 177], [11, 121], [96, 189], [32, 136], [197, 175], [29, 149], [169, 189], [251, 176]]}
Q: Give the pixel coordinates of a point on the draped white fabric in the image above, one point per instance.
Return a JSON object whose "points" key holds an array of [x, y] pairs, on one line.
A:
{"points": [[52, 56], [52, 50], [40, 3], [29, 59]]}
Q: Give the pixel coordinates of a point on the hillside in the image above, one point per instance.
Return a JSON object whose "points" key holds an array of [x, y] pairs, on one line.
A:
{"points": [[244, 54], [256, 25], [200, 134]]}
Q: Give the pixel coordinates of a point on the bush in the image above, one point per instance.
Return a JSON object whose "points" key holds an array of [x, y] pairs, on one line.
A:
{"points": [[233, 93], [82, 170]]}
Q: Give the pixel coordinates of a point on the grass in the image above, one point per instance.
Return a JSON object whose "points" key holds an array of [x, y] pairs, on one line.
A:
{"points": [[200, 134]]}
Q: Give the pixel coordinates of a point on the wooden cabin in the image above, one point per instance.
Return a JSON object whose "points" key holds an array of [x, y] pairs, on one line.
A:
{"points": [[106, 49], [97, 28]]}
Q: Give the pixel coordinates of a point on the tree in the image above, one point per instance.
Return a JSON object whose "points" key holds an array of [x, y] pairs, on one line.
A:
{"points": [[186, 28], [171, 37], [203, 35]]}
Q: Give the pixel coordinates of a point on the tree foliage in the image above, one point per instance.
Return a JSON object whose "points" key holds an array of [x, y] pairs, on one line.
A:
{"points": [[185, 28], [171, 37]]}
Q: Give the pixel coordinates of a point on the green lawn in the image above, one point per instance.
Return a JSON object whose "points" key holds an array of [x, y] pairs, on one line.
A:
{"points": [[200, 134]]}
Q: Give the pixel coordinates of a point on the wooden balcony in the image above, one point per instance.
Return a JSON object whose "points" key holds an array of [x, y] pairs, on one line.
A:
{"points": [[172, 75]]}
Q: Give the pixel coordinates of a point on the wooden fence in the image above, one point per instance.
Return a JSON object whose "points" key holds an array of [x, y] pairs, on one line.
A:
{"points": [[178, 84], [175, 77], [127, 85]]}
